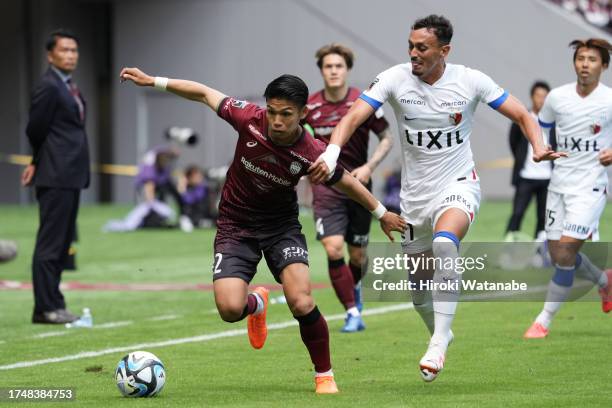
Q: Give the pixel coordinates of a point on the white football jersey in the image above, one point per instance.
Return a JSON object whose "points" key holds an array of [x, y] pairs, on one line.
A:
{"points": [[435, 124], [583, 128]]}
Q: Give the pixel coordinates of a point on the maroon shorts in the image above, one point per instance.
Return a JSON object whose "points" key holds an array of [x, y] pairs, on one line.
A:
{"points": [[336, 215], [238, 257]]}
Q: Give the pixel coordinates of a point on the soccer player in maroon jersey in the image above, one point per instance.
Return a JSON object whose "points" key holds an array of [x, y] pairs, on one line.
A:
{"points": [[339, 219], [258, 212]]}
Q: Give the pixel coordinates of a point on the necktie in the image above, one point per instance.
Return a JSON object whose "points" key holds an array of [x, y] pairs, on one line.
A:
{"points": [[74, 90]]}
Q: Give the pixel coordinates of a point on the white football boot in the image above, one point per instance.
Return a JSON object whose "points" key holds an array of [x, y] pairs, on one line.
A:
{"points": [[432, 362]]}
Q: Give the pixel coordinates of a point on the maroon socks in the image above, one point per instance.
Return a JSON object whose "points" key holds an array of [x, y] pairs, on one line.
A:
{"points": [[315, 335], [342, 281]]}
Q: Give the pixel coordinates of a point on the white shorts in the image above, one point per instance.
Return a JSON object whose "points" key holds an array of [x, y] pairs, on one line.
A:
{"points": [[464, 195], [574, 215]]}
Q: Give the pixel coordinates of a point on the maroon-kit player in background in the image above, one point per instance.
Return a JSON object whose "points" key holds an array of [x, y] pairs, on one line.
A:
{"points": [[338, 219], [258, 212]]}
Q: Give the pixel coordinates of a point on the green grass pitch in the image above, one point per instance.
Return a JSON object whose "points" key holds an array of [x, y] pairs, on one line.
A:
{"points": [[488, 365]]}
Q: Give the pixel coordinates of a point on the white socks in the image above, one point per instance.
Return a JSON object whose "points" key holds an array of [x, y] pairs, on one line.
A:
{"points": [[551, 307], [558, 290], [325, 374], [423, 304], [353, 311], [444, 302], [591, 272], [557, 294], [260, 304]]}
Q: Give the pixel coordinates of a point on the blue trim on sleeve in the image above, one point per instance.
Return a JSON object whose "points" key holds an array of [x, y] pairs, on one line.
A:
{"points": [[546, 125], [449, 235], [498, 102], [371, 101]]}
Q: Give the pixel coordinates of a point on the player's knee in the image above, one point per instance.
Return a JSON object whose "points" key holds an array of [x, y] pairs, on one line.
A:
{"points": [[563, 256], [334, 252], [357, 256], [334, 248], [231, 316], [562, 259], [230, 312], [445, 244], [301, 304]]}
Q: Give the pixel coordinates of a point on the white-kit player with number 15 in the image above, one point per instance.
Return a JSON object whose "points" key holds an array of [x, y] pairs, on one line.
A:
{"points": [[434, 104], [581, 113]]}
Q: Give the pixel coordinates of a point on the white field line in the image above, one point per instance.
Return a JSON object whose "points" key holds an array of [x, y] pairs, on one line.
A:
{"points": [[50, 334], [111, 325], [185, 340], [108, 325], [229, 333], [164, 317]]}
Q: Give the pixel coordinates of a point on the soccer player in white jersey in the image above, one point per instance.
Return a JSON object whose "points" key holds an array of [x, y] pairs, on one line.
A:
{"points": [[581, 113], [434, 104]]}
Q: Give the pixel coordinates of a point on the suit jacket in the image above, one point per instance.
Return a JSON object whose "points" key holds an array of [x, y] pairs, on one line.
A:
{"points": [[518, 146], [57, 136]]}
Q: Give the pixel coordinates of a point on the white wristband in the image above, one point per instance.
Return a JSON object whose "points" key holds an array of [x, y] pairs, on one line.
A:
{"points": [[330, 157], [379, 211], [333, 149], [160, 83]]}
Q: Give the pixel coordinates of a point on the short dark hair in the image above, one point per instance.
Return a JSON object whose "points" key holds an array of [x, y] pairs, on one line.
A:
{"points": [[539, 84], [598, 44], [56, 35], [440, 25], [335, 48], [288, 87]]}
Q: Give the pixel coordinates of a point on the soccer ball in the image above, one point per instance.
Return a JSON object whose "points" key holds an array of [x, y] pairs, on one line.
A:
{"points": [[140, 374]]}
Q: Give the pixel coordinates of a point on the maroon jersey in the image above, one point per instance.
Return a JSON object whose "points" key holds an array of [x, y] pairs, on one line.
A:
{"points": [[259, 193], [323, 116]]}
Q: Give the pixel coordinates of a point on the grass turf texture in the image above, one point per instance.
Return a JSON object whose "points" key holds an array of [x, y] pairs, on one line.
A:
{"points": [[488, 365]]}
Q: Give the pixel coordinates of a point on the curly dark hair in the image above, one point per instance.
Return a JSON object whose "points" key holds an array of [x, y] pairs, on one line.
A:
{"points": [[440, 25]]}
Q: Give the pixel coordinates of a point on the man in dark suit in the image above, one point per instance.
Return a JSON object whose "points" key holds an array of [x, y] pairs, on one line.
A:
{"points": [[529, 178], [59, 170]]}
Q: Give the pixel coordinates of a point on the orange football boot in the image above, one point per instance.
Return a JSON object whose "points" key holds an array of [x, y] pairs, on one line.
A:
{"points": [[606, 294], [256, 324], [325, 384], [536, 331]]}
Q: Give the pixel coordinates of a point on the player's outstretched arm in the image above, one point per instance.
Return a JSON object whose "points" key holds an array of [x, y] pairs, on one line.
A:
{"points": [[322, 169], [356, 191], [513, 109], [385, 143], [194, 91]]}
